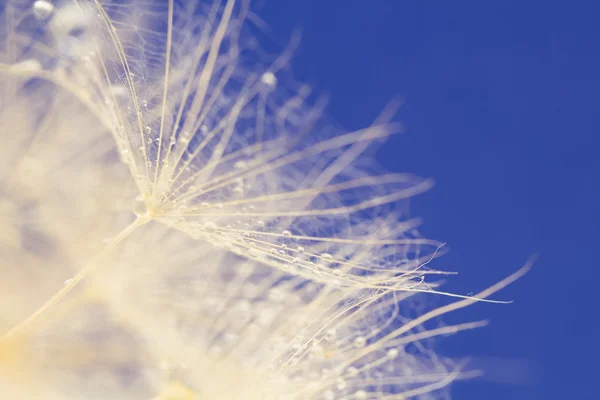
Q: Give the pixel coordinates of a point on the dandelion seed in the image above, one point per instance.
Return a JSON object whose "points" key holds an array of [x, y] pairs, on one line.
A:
{"points": [[261, 331], [181, 234], [194, 154]]}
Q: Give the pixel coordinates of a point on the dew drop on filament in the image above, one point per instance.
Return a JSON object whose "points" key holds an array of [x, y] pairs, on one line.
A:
{"points": [[139, 206]]}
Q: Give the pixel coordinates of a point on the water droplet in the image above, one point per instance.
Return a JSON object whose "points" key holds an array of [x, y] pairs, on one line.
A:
{"points": [[359, 342], [330, 334], [392, 353], [184, 138], [139, 206], [42, 9], [148, 130], [269, 80], [360, 395], [240, 165], [326, 257]]}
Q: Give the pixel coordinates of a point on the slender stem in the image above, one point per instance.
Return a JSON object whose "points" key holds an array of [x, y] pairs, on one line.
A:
{"points": [[71, 283]]}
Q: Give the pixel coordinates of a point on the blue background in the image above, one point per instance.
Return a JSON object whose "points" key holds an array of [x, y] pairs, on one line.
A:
{"points": [[500, 108]]}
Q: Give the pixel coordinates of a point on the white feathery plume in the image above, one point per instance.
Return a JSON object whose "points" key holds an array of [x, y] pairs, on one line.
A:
{"points": [[233, 243]]}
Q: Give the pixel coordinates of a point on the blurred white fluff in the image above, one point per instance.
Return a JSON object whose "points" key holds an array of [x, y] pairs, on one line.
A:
{"points": [[174, 229]]}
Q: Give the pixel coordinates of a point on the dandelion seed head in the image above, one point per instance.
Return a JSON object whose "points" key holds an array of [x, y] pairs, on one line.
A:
{"points": [[180, 221], [265, 333]]}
